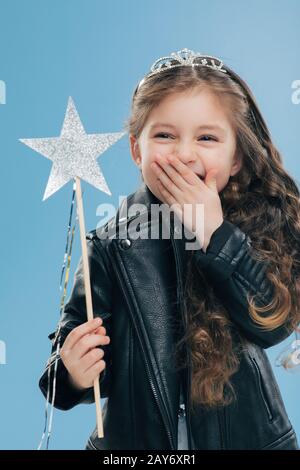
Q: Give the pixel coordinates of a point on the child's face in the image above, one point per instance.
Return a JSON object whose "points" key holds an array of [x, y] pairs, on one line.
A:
{"points": [[200, 148]]}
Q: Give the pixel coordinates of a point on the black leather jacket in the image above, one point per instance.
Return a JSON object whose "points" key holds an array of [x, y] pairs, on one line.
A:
{"points": [[137, 291]]}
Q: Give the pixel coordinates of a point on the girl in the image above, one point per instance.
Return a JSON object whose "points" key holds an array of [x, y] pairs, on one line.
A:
{"points": [[179, 334]]}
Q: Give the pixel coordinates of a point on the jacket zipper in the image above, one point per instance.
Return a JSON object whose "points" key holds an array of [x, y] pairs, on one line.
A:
{"points": [[221, 417], [179, 279], [131, 351], [160, 402], [262, 393]]}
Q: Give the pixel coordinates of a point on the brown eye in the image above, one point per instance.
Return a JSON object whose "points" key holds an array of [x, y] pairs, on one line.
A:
{"points": [[210, 137], [161, 134]]}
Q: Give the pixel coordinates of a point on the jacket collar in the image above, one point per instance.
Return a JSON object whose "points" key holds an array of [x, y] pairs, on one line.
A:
{"points": [[144, 196]]}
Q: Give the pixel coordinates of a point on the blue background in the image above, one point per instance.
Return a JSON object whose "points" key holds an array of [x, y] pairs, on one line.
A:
{"points": [[96, 51]]}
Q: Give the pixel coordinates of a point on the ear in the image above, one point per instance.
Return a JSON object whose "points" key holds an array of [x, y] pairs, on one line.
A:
{"points": [[135, 150], [236, 165]]}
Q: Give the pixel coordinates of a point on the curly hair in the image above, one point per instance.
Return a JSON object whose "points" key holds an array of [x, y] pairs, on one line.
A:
{"points": [[262, 200]]}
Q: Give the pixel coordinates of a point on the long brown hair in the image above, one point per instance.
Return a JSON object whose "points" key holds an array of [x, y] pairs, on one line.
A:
{"points": [[262, 200]]}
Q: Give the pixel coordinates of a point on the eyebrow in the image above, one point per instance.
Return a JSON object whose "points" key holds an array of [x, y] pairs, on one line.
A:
{"points": [[204, 126]]}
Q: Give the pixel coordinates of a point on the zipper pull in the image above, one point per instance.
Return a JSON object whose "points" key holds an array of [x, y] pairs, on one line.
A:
{"points": [[181, 411]]}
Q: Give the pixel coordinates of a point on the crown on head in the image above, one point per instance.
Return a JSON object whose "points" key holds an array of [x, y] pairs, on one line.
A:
{"points": [[185, 57]]}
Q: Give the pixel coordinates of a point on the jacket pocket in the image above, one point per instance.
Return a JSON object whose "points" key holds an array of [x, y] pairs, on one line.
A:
{"points": [[261, 388]]}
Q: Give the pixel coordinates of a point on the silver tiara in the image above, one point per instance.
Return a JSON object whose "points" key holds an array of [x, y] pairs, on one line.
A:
{"points": [[182, 58]]}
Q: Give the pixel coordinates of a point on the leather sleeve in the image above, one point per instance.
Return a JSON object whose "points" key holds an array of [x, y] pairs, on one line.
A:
{"points": [[234, 273], [74, 314]]}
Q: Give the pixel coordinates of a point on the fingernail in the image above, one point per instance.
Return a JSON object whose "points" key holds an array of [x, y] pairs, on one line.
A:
{"points": [[97, 321]]}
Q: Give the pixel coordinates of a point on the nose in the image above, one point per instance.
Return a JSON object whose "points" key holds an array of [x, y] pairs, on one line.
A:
{"points": [[185, 153]]}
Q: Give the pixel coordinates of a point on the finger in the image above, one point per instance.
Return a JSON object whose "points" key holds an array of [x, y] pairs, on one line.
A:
{"points": [[168, 197], [211, 179], [80, 331], [91, 358], [100, 331], [171, 201], [187, 174], [171, 171], [162, 176], [89, 342], [94, 371]]}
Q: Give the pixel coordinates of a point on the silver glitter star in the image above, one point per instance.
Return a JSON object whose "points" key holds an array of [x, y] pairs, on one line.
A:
{"points": [[74, 153]]}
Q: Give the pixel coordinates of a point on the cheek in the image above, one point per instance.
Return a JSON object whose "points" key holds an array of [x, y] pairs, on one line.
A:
{"points": [[147, 169], [149, 175], [148, 159]]}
